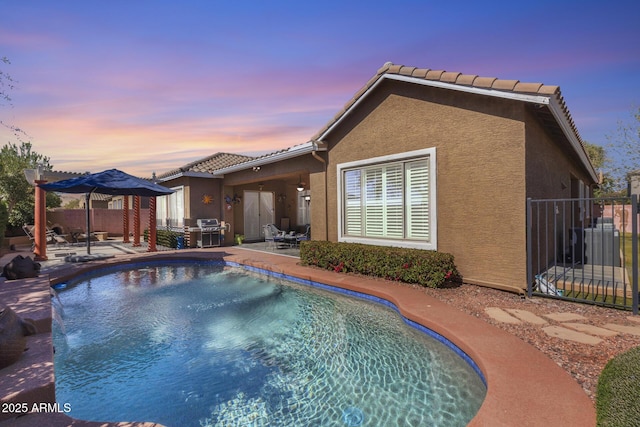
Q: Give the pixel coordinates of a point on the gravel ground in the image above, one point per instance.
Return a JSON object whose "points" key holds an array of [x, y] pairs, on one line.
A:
{"points": [[582, 361]]}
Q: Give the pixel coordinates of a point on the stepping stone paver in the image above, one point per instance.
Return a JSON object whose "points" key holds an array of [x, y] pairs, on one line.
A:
{"points": [[590, 329], [501, 315], [633, 330], [527, 316], [569, 334], [564, 317]]}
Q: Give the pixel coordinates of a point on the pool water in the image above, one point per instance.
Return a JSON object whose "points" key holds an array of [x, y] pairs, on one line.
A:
{"points": [[200, 344]]}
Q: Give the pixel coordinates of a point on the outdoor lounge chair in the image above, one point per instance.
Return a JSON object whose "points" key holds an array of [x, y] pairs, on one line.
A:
{"points": [[50, 236], [273, 237], [58, 239]]}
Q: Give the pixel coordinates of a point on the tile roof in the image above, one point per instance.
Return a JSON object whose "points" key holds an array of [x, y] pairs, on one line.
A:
{"points": [[208, 164], [274, 156], [466, 81]]}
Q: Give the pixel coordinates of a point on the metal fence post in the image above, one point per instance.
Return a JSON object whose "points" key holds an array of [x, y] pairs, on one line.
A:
{"points": [[634, 251], [529, 248]]}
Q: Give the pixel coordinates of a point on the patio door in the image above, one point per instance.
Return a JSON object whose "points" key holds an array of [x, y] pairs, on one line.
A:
{"points": [[258, 212]]}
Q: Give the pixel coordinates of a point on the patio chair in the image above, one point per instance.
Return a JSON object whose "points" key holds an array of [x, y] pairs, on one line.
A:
{"points": [[304, 236], [56, 238], [273, 236], [50, 236], [28, 230], [294, 239], [301, 237]]}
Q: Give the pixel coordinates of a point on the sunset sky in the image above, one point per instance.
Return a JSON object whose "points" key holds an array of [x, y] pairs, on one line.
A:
{"points": [[147, 86]]}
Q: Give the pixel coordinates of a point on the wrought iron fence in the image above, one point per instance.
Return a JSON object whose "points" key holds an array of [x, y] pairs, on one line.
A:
{"points": [[584, 250]]}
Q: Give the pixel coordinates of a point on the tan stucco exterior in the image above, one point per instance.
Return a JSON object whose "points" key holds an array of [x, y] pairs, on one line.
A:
{"points": [[496, 143], [491, 155]]}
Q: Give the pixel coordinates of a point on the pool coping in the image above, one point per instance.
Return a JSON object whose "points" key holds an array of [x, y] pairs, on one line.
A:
{"points": [[524, 387]]}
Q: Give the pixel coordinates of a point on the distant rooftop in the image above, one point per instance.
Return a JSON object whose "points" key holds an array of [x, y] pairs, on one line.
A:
{"points": [[205, 166]]}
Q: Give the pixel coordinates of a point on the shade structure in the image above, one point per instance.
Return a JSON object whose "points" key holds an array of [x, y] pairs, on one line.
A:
{"points": [[113, 182]]}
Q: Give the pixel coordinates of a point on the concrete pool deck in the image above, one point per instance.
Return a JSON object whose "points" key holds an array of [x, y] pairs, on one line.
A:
{"points": [[525, 388]]}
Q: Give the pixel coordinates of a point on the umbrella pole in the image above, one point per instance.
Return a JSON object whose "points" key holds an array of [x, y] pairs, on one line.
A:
{"points": [[88, 234]]}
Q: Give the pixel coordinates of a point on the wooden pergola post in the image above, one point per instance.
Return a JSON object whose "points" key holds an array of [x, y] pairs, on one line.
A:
{"points": [[136, 221], [40, 223], [125, 220], [152, 225]]}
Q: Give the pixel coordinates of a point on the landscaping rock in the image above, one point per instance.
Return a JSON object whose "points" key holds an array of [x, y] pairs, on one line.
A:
{"points": [[21, 267], [13, 333]]}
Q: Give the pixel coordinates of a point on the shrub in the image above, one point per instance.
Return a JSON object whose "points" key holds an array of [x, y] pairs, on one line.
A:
{"points": [[4, 218], [618, 391], [164, 238], [427, 268]]}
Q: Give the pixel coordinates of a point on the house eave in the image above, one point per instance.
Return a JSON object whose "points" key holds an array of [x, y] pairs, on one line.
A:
{"points": [[537, 99], [292, 152], [550, 101], [561, 118], [189, 174]]}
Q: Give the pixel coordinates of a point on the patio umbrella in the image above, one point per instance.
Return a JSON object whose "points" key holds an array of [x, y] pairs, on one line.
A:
{"points": [[113, 182]]}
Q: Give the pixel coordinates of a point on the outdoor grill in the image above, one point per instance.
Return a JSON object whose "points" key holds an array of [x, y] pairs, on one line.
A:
{"points": [[209, 232]]}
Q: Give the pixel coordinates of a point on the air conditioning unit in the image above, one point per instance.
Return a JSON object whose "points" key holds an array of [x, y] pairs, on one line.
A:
{"points": [[602, 246]]}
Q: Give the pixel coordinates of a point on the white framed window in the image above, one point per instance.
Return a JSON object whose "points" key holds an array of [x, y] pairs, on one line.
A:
{"points": [[389, 200], [170, 209], [116, 203]]}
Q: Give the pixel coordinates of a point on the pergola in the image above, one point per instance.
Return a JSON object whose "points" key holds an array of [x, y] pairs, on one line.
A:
{"points": [[111, 182]]}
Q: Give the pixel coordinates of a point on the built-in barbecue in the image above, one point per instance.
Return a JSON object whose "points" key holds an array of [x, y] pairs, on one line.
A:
{"points": [[209, 232]]}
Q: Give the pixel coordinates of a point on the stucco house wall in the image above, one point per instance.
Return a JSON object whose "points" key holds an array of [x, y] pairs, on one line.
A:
{"points": [[488, 143], [195, 189], [553, 171], [480, 150]]}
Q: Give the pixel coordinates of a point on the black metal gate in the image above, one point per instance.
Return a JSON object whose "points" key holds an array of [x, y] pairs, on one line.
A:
{"points": [[584, 250]]}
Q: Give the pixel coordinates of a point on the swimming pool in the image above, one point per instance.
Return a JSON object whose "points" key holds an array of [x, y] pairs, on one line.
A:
{"points": [[200, 343]]}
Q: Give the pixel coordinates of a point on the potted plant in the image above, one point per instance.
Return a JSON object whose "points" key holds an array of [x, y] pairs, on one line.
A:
{"points": [[239, 239]]}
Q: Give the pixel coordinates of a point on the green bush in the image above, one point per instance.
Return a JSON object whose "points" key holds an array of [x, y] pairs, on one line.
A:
{"points": [[164, 238], [618, 391], [4, 218], [427, 268]]}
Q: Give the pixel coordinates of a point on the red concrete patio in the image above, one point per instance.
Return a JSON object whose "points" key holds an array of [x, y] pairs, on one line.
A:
{"points": [[525, 388]]}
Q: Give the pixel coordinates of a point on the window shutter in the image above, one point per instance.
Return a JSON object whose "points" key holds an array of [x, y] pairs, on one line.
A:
{"points": [[417, 194], [373, 202], [393, 202], [353, 203], [389, 201]]}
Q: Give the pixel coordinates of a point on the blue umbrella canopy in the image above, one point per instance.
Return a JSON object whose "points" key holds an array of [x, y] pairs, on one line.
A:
{"points": [[112, 181]]}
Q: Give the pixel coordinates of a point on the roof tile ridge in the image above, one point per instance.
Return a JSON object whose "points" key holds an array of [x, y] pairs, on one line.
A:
{"points": [[406, 71], [434, 74], [466, 79], [567, 114], [420, 73], [197, 162], [449, 77], [194, 165], [504, 84]]}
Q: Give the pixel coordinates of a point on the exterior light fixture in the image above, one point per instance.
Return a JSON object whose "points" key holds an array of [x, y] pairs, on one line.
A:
{"points": [[300, 186]]}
